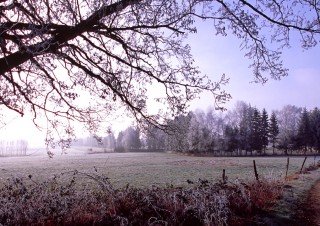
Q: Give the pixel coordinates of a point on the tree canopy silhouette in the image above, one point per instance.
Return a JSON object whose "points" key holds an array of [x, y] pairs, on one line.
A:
{"points": [[55, 52]]}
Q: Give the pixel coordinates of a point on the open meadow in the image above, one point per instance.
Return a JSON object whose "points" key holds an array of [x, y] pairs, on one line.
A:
{"points": [[165, 189], [145, 169]]}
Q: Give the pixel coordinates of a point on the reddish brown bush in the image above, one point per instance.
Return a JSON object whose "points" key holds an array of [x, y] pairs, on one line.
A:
{"points": [[56, 202]]}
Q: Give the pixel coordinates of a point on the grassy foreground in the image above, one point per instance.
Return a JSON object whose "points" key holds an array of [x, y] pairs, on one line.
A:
{"points": [[164, 189]]}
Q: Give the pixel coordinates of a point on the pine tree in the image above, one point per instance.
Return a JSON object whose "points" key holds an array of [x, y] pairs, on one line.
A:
{"points": [[304, 131], [264, 129], [231, 138], [315, 128], [256, 137], [245, 129], [273, 130], [120, 143]]}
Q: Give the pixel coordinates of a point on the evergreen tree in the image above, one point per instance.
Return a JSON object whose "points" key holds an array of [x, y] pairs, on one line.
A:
{"points": [[155, 139], [194, 137], [128, 140], [131, 139], [304, 131], [273, 130], [231, 138], [109, 142], [315, 128], [264, 129], [256, 135], [245, 128], [120, 143]]}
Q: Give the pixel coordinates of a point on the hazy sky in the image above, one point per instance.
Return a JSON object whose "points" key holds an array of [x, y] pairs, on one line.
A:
{"points": [[217, 55]]}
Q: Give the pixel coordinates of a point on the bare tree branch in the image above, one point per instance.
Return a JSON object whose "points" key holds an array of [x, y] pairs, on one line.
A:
{"points": [[55, 54]]}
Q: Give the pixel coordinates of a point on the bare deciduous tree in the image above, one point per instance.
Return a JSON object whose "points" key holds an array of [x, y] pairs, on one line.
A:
{"points": [[81, 60]]}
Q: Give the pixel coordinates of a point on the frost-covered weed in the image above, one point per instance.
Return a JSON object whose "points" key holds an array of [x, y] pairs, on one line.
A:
{"points": [[61, 201]]}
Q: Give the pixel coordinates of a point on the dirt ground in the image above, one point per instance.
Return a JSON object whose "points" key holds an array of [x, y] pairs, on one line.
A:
{"points": [[310, 213], [299, 205], [315, 202], [307, 207]]}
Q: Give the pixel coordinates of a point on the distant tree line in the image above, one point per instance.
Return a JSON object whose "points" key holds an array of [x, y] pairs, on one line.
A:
{"points": [[13, 148], [291, 130], [245, 130], [127, 140]]}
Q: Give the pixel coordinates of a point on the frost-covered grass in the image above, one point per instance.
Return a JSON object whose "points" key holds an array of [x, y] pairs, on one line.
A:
{"points": [[143, 169], [137, 189]]}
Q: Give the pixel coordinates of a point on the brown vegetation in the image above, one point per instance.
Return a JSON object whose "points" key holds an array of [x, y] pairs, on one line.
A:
{"points": [[61, 202]]}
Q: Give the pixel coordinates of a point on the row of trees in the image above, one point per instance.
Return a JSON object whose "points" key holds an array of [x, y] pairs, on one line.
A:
{"points": [[13, 148], [127, 140], [242, 131], [245, 130], [308, 133], [289, 129]]}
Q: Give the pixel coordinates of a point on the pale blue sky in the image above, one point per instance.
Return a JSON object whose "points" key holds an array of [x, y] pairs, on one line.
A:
{"points": [[217, 55]]}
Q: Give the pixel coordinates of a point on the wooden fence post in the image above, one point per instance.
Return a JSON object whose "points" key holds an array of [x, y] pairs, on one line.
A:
{"points": [[255, 170], [303, 164], [224, 176], [287, 168]]}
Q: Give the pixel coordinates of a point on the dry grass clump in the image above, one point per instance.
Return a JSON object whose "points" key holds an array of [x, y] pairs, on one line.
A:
{"points": [[312, 166], [61, 202]]}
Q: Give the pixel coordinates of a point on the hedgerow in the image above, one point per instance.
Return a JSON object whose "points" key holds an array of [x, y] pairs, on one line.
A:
{"points": [[61, 201]]}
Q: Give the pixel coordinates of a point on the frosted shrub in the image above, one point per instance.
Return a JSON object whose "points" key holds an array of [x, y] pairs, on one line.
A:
{"points": [[66, 200]]}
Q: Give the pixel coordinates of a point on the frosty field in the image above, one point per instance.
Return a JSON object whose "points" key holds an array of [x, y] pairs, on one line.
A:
{"points": [[144, 169]]}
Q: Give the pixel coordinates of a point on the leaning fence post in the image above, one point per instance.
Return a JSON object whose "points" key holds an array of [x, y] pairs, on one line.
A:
{"points": [[303, 164], [287, 168], [255, 170]]}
